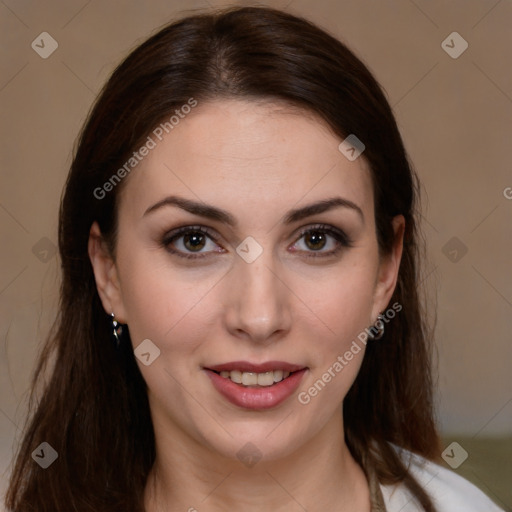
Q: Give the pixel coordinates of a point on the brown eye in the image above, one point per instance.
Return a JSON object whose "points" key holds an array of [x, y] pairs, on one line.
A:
{"points": [[315, 240], [189, 242], [319, 237], [195, 241]]}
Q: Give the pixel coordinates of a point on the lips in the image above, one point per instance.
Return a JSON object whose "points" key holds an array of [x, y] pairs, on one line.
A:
{"points": [[256, 386]]}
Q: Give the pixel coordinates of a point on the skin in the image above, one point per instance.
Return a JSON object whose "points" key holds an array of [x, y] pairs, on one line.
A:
{"points": [[256, 160]]}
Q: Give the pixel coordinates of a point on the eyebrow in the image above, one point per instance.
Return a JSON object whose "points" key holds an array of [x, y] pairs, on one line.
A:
{"points": [[218, 214]]}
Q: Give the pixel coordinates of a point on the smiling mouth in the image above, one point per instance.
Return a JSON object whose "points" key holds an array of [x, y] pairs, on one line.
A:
{"points": [[253, 379], [256, 386]]}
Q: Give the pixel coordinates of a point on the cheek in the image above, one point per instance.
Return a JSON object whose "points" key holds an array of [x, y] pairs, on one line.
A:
{"points": [[161, 301], [343, 298], [343, 304]]}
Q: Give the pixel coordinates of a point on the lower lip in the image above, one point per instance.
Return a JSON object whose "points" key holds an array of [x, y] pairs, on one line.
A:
{"points": [[256, 398]]}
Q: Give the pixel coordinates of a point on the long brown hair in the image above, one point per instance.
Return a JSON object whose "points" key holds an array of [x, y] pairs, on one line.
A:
{"points": [[93, 409]]}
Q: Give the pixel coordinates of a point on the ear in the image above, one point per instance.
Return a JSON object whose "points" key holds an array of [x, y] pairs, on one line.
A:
{"points": [[106, 275], [388, 270]]}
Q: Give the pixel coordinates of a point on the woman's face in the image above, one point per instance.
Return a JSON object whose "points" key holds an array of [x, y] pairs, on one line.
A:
{"points": [[282, 287]]}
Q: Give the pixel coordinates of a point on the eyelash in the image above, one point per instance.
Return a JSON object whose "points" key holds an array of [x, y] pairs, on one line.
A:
{"points": [[343, 240]]}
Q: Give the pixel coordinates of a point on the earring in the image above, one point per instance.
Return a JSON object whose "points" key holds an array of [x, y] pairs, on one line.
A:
{"points": [[377, 326], [117, 330]]}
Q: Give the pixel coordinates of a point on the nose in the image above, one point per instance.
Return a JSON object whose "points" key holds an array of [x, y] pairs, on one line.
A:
{"points": [[258, 301]]}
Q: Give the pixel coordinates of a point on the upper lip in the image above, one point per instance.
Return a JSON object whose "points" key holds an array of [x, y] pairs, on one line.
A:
{"points": [[246, 366]]}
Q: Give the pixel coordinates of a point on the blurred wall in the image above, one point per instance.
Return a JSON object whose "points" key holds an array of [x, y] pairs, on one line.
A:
{"points": [[454, 108]]}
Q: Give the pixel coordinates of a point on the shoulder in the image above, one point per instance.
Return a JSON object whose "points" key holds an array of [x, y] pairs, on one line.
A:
{"points": [[449, 491]]}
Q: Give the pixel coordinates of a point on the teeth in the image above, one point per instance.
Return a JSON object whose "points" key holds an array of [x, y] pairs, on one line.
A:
{"points": [[278, 375], [266, 379], [249, 379], [235, 376], [253, 379]]}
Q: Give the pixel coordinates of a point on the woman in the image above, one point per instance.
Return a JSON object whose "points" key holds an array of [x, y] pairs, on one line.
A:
{"points": [[240, 323]]}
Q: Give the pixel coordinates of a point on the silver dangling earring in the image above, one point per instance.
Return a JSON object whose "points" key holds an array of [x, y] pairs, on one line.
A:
{"points": [[379, 326], [117, 330]]}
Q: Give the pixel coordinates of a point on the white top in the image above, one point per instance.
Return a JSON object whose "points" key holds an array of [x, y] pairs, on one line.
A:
{"points": [[449, 491]]}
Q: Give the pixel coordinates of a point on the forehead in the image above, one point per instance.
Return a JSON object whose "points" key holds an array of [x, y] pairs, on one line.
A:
{"points": [[247, 156]]}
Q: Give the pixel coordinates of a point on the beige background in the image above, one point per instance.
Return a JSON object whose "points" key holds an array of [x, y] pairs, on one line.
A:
{"points": [[456, 119]]}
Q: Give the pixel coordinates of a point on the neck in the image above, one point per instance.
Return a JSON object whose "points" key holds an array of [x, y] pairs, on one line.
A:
{"points": [[319, 475]]}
